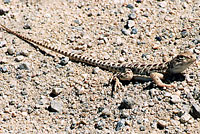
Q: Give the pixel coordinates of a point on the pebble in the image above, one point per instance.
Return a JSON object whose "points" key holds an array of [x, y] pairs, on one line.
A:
{"points": [[56, 91], [197, 51], [127, 103], [139, 1], [27, 26], [151, 104], [185, 118], [24, 53], [119, 41], [158, 38], [133, 31], [175, 99], [142, 128], [162, 4], [64, 61], [125, 31], [10, 50], [3, 69], [130, 6], [167, 94], [99, 125], [24, 66], [196, 93], [106, 112], [161, 124], [131, 16], [184, 33], [121, 60], [195, 111], [19, 58], [2, 12], [23, 93], [3, 43], [96, 70], [119, 125], [130, 23], [6, 1], [55, 106]]}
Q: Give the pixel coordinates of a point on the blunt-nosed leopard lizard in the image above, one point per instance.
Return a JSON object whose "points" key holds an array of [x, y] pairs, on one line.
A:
{"points": [[126, 71]]}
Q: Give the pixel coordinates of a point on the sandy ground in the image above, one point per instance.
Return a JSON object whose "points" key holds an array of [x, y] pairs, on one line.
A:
{"points": [[43, 92]]}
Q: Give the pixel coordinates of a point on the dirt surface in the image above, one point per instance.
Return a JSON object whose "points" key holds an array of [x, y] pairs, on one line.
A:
{"points": [[44, 92]]}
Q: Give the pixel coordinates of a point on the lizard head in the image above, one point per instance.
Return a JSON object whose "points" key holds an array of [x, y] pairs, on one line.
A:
{"points": [[181, 62]]}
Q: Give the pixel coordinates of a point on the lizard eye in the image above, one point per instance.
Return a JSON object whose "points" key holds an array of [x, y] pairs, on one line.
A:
{"points": [[181, 57]]}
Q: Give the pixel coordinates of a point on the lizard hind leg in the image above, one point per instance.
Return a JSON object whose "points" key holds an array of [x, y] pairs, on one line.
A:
{"points": [[124, 76]]}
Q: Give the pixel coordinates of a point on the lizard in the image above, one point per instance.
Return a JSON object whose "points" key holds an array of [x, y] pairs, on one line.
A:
{"points": [[125, 71]]}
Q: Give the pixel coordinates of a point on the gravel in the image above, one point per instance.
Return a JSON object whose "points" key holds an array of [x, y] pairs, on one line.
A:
{"points": [[44, 92]]}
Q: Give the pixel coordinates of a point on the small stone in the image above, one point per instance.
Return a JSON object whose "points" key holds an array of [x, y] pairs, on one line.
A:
{"points": [[64, 61], [26, 26], [6, 1], [106, 112], [2, 12], [142, 128], [155, 47], [56, 91], [167, 94], [3, 69], [121, 60], [119, 125], [119, 41], [185, 118], [196, 93], [23, 93], [24, 66], [131, 16], [99, 125], [133, 31], [12, 102], [125, 31], [196, 41], [106, 56], [197, 51], [175, 99], [80, 90], [124, 51], [10, 50], [158, 38], [126, 103], [55, 106], [139, 1], [184, 33], [161, 124], [100, 42], [130, 6], [24, 53], [96, 70], [130, 23], [162, 4], [3, 43], [90, 14], [195, 111], [19, 58], [151, 104], [139, 121]]}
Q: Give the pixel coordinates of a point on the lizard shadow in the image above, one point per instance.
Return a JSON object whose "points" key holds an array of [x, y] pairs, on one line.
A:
{"points": [[167, 79], [39, 49]]}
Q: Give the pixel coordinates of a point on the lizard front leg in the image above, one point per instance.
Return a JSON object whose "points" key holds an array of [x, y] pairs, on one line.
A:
{"points": [[157, 78]]}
